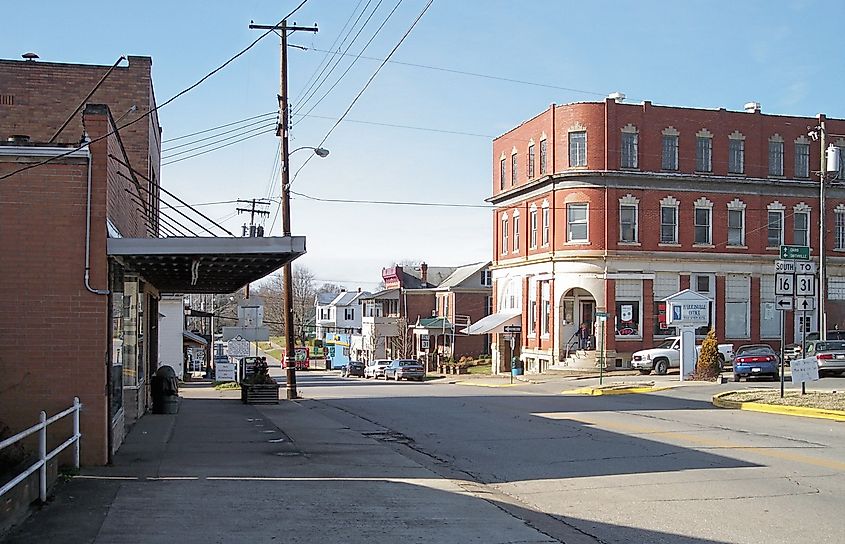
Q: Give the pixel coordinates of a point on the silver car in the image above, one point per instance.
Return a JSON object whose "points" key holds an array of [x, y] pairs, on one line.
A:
{"points": [[408, 369], [830, 356], [375, 368]]}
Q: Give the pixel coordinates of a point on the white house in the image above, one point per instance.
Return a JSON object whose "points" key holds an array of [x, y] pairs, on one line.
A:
{"points": [[339, 313]]}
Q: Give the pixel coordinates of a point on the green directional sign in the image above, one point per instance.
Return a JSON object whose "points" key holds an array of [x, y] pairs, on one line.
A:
{"points": [[795, 253]]}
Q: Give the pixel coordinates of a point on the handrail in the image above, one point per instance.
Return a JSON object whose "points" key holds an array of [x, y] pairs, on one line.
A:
{"points": [[43, 456]]}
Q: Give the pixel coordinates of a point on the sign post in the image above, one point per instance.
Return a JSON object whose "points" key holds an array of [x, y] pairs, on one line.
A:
{"points": [[794, 277], [602, 319]]}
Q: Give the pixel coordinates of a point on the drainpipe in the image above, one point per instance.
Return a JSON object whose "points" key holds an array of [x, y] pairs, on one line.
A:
{"points": [[88, 234]]}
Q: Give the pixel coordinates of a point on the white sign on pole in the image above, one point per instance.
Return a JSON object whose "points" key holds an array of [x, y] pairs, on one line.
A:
{"points": [[784, 304], [224, 372], [784, 267], [804, 267], [689, 312], [806, 304], [804, 370], [784, 284], [805, 285]]}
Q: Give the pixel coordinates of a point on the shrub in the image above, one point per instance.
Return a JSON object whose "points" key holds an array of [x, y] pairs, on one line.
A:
{"points": [[707, 367]]}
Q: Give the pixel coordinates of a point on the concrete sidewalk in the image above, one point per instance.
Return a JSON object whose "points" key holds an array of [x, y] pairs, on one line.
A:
{"points": [[220, 471]]}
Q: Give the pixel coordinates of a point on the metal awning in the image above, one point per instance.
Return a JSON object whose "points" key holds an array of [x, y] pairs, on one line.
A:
{"points": [[204, 265], [494, 323]]}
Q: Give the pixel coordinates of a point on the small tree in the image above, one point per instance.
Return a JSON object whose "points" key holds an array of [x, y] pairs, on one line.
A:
{"points": [[707, 366]]}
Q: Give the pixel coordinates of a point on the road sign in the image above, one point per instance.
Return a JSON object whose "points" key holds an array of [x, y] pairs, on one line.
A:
{"points": [[804, 370], [784, 267], [805, 303], [238, 347], [513, 328], [601, 316], [797, 253], [784, 304], [805, 285], [784, 284], [424, 343], [805, 267]]}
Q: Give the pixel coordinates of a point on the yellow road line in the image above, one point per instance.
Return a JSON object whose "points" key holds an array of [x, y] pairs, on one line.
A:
{"points": [[721, 402], [611, 390]]}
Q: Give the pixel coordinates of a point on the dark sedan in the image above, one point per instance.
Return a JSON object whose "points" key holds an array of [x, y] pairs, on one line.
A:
{"points": [[756, 360], [408, 369], [352, 368]]}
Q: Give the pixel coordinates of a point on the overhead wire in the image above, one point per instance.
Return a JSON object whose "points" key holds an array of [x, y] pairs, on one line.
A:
{"points": [[263, 129], [272, 130], [269, 113], [151, 110], [351, 65], [192, 142]]}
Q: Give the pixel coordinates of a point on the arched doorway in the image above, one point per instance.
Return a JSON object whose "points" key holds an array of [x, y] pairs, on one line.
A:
{"points": [[577, 306]]}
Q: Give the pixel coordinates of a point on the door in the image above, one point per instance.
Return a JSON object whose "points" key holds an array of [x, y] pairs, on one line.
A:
{"points": [[588, 316]]}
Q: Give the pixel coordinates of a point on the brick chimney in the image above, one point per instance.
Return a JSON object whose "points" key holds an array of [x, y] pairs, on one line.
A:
{"points": [[424, 272]]}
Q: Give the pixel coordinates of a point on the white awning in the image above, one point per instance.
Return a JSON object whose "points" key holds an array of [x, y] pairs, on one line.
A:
{"points": [[495, 322]]}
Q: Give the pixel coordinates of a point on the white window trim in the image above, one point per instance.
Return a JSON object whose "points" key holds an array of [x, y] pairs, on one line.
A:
{"points": [[505, 234], [546, 228], [802, 207], [533, 226], [577, 241], [776, 207], [704, 204], [840, 209], [515, 232], [630, 200]]}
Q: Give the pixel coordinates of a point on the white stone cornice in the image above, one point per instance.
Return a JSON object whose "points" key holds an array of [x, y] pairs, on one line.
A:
{"points": [[801, 207], [577, 127], [704, 133], [776, 138], [736, 135], [736, 204], [703, 202], [629, 200], [775, 206], [670, 201], [671, 131], [630, 129]]}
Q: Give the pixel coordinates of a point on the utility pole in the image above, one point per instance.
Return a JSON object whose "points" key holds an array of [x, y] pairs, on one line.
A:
{"points": [[282, 132], [822, 261], [253, 211]]}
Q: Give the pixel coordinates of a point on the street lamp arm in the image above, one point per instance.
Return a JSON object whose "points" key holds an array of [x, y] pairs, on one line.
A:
{"points": [[319, 151]]}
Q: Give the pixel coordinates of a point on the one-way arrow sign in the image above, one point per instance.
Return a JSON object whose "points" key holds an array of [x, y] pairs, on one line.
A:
{"points": [[805, 303], [784, 304]]}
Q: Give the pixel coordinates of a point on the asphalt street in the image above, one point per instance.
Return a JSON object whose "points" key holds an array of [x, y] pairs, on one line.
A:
{"points": [[665, 467]]}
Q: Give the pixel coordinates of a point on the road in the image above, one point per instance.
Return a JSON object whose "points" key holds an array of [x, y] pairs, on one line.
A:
{"points": [[665, 467]]}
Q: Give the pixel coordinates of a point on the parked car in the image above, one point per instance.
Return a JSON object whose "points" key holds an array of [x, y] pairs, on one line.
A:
{"points": [[755, 360], [793, 351], [375, 368], [667, 355], [830, 356], [352, 368], [408, 369]]}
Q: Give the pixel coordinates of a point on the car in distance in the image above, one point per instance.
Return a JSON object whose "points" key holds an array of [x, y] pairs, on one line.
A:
{"points": [[408, 369], [667, 355], [755, 360], [830, 356], [352, 368], [375, 368], [793, 351]]}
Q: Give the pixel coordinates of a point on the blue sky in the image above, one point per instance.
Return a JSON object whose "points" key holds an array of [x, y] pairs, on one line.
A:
{"points": [[785, 55]]}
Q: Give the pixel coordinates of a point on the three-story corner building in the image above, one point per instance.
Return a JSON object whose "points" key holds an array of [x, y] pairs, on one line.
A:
{"points": [[608, 208]]}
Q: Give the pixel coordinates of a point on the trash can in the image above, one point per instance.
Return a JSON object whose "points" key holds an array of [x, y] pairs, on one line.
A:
{"points": [[516, 367], [164, 388]]}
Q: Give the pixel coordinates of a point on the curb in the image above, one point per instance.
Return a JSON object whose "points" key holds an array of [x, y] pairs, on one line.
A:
{"points": [[800, 411], [611, 390], [467, 382]]}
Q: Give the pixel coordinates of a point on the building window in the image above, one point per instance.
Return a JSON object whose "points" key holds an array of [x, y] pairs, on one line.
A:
{"points": [[513, 169], [704, 154], [840, 230], [532, 309], [502, 174], [545, 308], [530, 161], [802, 160], [629, 149], [532, 233], [488, 305], [628, 318], [486, 277], [840, 175], [545, 225], [515, 232], [775, 229], [542, 157], [702, 284], [349, 314], [578, 148], [668, 224], [736, 227], [801, 231], [702, 226], [576, 222], [670, 152], [504, 235], [627, 223], [736, 156], [775, 157]]}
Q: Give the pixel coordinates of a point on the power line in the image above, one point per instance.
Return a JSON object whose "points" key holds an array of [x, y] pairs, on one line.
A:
{"points": [[348, 68], [273, 130], [275, 112], [395, 202], [192, 142], [366, 85], [151, 110], [240, 135], [392, 125], [463, 72]]}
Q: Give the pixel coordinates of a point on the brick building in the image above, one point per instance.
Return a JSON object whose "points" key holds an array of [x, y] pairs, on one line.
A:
{"points": [[83, 265], [610, 207]]}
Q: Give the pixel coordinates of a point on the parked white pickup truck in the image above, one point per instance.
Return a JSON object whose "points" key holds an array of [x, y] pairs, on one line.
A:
{"points": [[668, 355]]}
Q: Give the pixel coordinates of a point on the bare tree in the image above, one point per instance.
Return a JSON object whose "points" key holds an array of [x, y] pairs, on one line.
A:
{"points": [[330, 288], [303, 302], [402, 345]]}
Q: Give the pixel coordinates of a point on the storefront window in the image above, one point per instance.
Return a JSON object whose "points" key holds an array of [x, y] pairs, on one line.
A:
{"points": [[131, 333], [660, 326], [627, 318], [117, 333]]}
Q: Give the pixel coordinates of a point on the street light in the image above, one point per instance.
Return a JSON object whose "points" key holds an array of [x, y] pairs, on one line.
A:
{"points": [[287, 299]]}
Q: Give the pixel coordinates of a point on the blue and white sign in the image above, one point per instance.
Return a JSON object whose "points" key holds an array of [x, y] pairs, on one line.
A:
{"points": [[688, 308]]}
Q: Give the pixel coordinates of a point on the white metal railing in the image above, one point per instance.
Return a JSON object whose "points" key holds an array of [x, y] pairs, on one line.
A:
{"points": [[43, 456]]}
